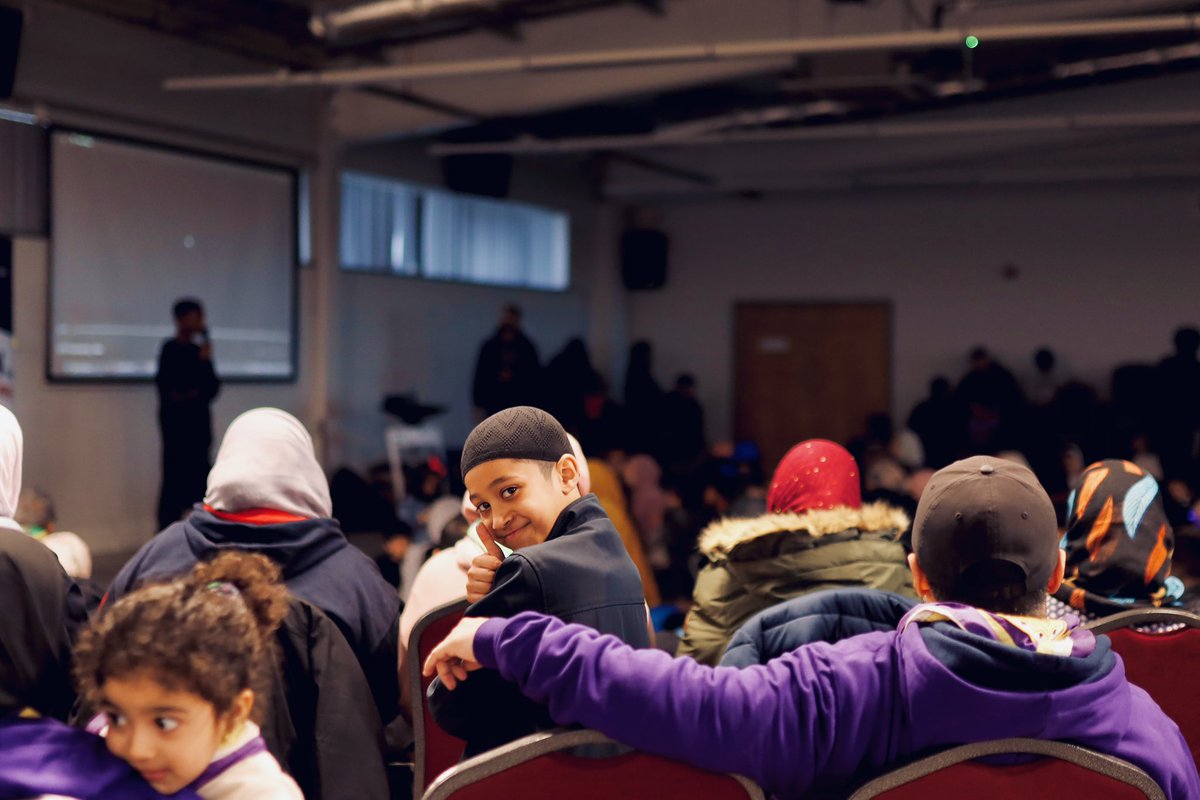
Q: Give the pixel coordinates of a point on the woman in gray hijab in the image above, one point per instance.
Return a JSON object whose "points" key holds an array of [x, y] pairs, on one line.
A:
{"points": [[267, 493]]}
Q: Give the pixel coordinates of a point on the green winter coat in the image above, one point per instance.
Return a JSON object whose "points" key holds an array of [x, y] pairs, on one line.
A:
{"points": [[753, 564]]}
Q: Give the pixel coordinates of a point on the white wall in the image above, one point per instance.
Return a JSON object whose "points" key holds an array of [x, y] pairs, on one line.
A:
{"points": [[1107, 271]]}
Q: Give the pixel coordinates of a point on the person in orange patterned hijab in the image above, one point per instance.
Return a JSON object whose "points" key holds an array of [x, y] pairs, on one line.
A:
{"points": [[1118, 544]]}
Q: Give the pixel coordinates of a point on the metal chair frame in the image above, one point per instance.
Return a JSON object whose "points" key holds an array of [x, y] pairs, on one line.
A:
{"points": [[528, 748], [415, 663], [1144, 616], [1113, 767]]}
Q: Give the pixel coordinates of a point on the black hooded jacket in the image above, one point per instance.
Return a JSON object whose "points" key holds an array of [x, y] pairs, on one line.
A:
{"points": [[580, 574], [318, 564]]}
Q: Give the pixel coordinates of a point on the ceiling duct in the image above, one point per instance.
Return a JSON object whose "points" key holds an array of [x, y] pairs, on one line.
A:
{"points": [[336, 24], [896, 41]]}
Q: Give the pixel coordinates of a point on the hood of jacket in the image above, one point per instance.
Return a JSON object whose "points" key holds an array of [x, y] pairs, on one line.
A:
{"points": [[295, 546], [953, 679], [729, 538]]}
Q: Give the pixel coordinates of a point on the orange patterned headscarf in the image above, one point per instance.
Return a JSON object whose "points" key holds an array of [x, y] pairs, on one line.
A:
{"points": [[1118, 541]]}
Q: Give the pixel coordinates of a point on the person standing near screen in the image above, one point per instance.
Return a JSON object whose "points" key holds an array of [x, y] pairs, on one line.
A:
{"points": [[187, 384]]}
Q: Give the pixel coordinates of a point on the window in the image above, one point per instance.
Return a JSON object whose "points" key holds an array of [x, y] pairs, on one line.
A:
{"points": [[403, 229], [379, 225], [304, 219]]}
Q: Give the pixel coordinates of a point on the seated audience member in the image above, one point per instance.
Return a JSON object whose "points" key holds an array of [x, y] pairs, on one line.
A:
{"points": [[977, 661], [648, 506], [443, 578], [1119, 545], [568, 561], [180, 672], [816, 535], [35, 513], [39, 755], [267, 493], [827, 616], [12, 444], [396, 544], [610, 494], [432, 520]]}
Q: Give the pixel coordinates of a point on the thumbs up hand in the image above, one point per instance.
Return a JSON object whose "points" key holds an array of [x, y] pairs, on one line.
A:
{"points": [[483, 568]]}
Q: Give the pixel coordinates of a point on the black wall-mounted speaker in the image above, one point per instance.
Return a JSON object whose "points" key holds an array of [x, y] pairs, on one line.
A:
{"points": [[644, 258], [11, 21]]}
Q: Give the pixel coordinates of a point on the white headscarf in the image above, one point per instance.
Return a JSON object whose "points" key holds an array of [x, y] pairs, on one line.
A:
{"points": [[266, 460], [12, 443]]}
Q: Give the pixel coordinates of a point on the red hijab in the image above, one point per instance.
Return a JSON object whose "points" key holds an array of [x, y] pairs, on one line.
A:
{"points": [[814, 474]]}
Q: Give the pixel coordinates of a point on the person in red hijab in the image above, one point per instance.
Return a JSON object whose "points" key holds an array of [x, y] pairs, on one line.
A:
{"points": [[816, 534]]}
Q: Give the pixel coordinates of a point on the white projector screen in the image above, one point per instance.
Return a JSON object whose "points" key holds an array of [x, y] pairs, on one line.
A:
{"points": [[136, 227]]}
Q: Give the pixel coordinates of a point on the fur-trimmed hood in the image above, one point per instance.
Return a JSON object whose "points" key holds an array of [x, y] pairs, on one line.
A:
{"points": [[722, 536]]}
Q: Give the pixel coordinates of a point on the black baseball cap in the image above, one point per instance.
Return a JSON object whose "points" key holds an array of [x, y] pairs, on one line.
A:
{"points": [[983, 509]]}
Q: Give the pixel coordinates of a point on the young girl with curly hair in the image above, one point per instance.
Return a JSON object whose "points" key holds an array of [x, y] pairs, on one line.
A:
{"points": [[179, 670]]}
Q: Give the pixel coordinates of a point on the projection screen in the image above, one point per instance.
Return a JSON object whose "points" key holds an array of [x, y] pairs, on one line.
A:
{"points": [[136, 227]]}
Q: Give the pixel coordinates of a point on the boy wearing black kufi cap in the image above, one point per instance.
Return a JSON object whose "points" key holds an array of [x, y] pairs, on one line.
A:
{"points": [[568, 561]]}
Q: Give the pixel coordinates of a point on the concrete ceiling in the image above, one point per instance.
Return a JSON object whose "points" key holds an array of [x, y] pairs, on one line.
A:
{"points": [[701, 116]]}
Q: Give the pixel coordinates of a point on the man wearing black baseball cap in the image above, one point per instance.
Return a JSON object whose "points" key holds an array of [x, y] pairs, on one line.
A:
{"points": [[978, 661]]}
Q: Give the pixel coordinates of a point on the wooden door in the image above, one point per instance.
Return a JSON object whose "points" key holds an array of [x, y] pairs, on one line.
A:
{"points": [[809, 370]]}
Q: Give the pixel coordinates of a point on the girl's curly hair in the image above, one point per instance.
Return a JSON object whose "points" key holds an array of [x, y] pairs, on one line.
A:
{"points": [[210, 632]]}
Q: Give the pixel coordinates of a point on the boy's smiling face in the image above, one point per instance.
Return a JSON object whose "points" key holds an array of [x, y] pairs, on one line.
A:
{"points": [[520, 500]]}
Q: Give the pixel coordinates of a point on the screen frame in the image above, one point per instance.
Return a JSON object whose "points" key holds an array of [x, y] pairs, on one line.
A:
{"points": [[293, 175]]}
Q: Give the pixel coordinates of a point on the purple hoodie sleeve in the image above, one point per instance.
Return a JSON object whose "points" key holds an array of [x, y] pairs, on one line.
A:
{"points": [[776, 724]]}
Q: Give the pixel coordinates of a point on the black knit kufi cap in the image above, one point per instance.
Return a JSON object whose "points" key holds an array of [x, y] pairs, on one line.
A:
{"points": [[519, 432]]}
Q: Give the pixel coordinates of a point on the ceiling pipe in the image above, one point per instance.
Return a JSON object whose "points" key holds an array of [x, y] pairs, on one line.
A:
{"points": [[844, 132], [708, 130], [718, 51], [334, 24], [640, 191]]}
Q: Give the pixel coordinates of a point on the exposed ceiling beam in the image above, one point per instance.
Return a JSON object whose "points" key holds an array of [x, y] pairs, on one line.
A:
{"points": [[339, 22], [718, 51], [631, 191], [848, 131]]}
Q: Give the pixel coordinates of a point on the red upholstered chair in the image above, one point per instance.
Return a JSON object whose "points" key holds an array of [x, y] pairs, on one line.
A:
{"points": [[435, 751], [1164, 664], [1066, 771], [535, 767]]}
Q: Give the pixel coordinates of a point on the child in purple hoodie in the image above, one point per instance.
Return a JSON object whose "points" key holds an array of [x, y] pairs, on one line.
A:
{"points": [[978, 660]]}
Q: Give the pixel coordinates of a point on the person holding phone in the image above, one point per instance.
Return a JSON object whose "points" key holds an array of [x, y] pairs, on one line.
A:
{"points": [[187, 384]]}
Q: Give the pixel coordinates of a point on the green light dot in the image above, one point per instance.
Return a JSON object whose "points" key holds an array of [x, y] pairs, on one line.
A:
{"points": [[971, 42]]}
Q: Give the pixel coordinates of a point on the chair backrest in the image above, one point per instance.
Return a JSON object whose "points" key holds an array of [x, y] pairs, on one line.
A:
{"points": [[1065, 770], [535, 766], [1161, 663], [435, 751]]}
